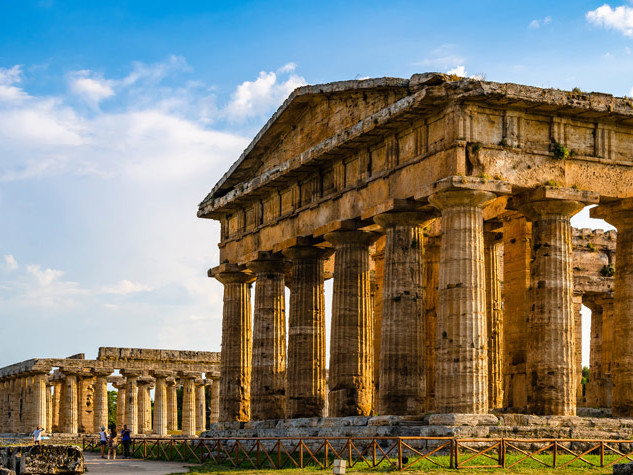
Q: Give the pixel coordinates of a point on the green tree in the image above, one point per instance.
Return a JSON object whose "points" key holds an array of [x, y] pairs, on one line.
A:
{"points": [[112, 408]]}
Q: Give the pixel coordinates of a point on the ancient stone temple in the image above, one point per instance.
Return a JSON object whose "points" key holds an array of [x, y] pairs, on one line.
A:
{"points": [[441, 208], [69, 395]]}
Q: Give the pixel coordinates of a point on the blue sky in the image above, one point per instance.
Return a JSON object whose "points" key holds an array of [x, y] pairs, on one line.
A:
{"points": [[116, 118]]}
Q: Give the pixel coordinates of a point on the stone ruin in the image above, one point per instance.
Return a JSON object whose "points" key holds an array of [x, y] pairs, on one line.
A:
{"points": [[441, 208], [69, 395]]}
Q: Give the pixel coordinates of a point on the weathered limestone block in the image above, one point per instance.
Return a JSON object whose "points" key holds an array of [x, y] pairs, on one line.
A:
{"points": [[50, 459], [402, 362], [494, 317], [235, 379], [306, 333], [461, 374], [268, 386], [350, 372], [551, 367], [620, 214]]}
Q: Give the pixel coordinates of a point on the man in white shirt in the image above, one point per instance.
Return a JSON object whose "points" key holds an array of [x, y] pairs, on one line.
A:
{"points": [[37, 435]]}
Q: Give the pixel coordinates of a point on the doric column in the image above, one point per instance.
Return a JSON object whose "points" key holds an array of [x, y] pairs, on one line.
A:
{"points": [[494, 318], [517, 255], [57, 400], [620, 214], [172, 405], [49, 406], [160, 402], [595, 389], [131, 400], [431, 281], [551, 331], [121, 401], [70, 403], [144, 405], [3, 406], [11, 405], [461, 367], [268, 386], [607, 346], [85, 403], [306, 333], [215, 399], [189, 404], [100, 401], [378, 256], [402, 360], [577, 309], [235, 402], [351, 357], [201, 405], [38, 398]]}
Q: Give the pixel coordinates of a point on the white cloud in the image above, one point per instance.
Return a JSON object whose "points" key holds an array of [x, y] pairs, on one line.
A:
{"points": [[10, 263], [91, 87], [8, 79], [125, 287], [619, 19], [458, 71], [535, 24], [287, 68], [256, 98]]}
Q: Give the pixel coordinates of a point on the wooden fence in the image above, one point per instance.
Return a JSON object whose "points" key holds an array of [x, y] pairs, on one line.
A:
{"points": [[395, 453]]}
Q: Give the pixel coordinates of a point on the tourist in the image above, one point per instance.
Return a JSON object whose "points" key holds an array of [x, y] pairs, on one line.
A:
{"points": [[103, 441], [126, 439], [37, 435], [112, 444]]}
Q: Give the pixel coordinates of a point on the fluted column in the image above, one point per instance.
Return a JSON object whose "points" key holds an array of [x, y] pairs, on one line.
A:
{"points": [[131, 401], [70, 403], [608, 334], [620, 214], [378, 256], [49, 407], [215, 400], [160, 403], [12, 413], [431, 281], [121, 401], [172, 405], [268, 386], [551, 354], [144, 405], [85, 406], [402, 360], [100, 401], [577, 306], [201, 405], [3, 406], [306, 333], [494, 318], [235, 402], [595, 389], [461, 374], [57, 405], [189, 404], [351, 352], [38, 398]]}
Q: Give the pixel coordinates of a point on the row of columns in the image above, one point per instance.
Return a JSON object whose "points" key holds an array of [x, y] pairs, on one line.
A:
{"points": [[469, 344], [31, 400]]}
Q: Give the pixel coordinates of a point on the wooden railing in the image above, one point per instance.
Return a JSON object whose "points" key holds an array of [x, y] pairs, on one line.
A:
{"points": [[395, 453]]}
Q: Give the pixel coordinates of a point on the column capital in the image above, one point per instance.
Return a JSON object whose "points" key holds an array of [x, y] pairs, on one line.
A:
{"points": [[362, 238], [101, 372], [619, 213], [199, 382], [171, 381], [550, 201], [120, 384], [405, 218], [308, 252], [162, 374], [231, 274], [130, 373], [145, 380], [269, 264], [189, 375]]}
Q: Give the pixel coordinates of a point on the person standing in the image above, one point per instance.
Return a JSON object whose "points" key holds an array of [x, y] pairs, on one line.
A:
{"points": [[126, 439], [112, 444], [37, 435], [103, 441]]}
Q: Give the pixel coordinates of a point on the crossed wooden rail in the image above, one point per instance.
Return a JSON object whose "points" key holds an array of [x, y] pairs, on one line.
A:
{"points": [[396, 453]]}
